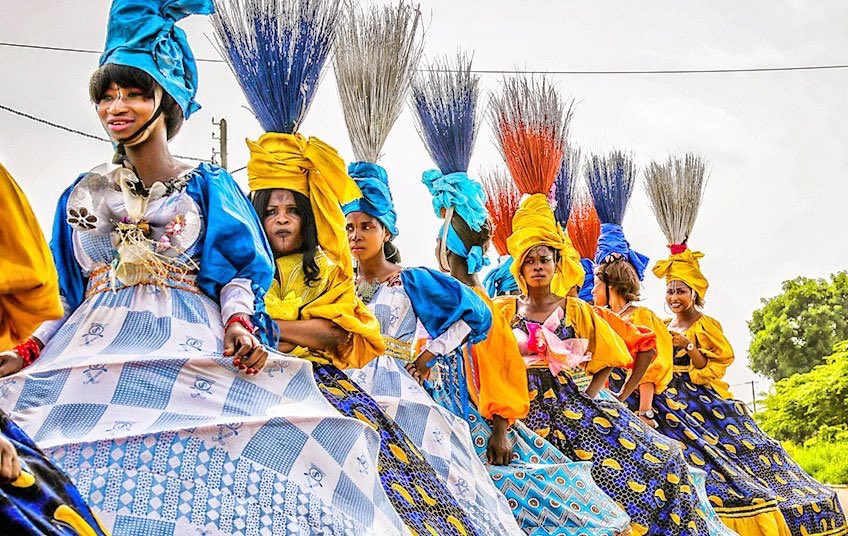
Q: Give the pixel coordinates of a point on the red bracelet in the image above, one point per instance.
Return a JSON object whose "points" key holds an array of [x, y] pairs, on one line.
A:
{"points": [[29, 351], [244, 321]]}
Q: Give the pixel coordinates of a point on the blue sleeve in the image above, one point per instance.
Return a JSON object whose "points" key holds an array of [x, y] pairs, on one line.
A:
{"points": [[440, 301], [72, 282], [234, 244]]}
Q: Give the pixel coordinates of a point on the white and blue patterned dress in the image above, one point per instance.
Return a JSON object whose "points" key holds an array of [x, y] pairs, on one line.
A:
{"points": [[133, 398], [443, 438]]}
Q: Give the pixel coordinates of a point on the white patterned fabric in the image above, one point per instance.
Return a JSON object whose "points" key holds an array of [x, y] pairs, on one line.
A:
{"points": [[163, 436], [443, 438]]}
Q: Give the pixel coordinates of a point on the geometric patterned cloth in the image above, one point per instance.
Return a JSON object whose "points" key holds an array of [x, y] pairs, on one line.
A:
{"points": [[643, 471], [442, 437], [548, 493], [133, 398], [808, 507]]}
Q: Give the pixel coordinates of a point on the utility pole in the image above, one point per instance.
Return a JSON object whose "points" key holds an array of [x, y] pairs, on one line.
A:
{"points": [[221, 136], [754, 395]]}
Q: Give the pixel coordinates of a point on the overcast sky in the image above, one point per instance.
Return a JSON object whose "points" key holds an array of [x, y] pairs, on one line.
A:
{"points": [[775, 142]]}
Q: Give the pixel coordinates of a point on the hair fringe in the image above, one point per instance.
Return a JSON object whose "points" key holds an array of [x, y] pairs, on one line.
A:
{"points": [[502, 200], [610, 179], [675, 190], [583, 226]]}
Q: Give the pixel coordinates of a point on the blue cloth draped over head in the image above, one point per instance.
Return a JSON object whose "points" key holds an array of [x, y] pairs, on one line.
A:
{"points": [[376, 197], [500, 281], [457, 190], [475, 257], [143, 34], [585, 293], [611, 242]]}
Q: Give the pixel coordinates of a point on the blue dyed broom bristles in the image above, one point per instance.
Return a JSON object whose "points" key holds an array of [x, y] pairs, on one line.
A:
{"points": [[277, 50], [610, 179], [565, 184], [445, 96]]}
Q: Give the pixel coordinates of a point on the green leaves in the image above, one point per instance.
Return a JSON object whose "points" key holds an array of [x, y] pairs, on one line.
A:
{"points": [[794, 330]]}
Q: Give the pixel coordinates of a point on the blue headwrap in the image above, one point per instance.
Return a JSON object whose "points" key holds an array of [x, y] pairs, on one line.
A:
{"points": [[142, 34], [612, 242], [475, 257], [588, 281], [376, 197], [500, 281], [457, 190]]}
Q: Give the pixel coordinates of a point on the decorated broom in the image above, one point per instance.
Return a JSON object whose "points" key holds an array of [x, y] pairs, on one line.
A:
{"points": [[584, 227], [675, 189], [445, 98], [502, 199], [565, 184], [277, 50], [610, 179], [379, 50], [378, 53], [531, 123]]}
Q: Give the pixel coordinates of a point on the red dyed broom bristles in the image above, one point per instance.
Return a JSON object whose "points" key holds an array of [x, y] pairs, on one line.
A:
{"points": [[502, 199], [531, 123], [584, 227]]}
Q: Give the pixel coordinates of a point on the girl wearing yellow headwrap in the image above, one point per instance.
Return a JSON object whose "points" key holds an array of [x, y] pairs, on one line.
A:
{"points": [[640, 469], [758, 466]]}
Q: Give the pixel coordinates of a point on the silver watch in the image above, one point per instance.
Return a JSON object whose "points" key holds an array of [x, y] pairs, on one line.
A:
{"points": [[650, 414], [690, 346]]}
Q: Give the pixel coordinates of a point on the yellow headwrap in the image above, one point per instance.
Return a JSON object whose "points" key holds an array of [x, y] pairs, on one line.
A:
{"points": [[684, 267], [534, 225], [313, 168]]}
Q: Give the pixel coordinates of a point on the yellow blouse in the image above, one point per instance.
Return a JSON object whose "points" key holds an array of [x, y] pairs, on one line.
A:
{"points": [[707, 335], [606, 347], [29, 285], [332, 298], [500, 385], [660, 371]]}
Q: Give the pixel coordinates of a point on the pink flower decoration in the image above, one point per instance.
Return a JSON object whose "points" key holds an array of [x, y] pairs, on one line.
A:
{"points": [[164, 244], [175, 227]]}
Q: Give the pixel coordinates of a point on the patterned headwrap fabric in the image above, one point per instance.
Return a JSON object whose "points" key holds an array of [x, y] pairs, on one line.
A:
{"points": [[534, 225], [611, 243], [684, 266], [500, 281], [457, 190], [143, 34], [588, 285], [314, 169], [376, 197]]}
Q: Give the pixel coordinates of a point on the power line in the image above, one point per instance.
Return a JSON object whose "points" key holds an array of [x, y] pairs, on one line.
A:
{"points": [[532, 72], [79, 132]]}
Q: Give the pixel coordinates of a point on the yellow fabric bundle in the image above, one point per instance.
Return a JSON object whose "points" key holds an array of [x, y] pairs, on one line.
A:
{"points": [[708, 336], [534, 225], [29, 285], [314, 169], [684, 267], [332, 298]]}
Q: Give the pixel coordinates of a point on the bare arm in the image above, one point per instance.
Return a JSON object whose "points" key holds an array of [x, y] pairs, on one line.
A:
{"points": [[316, 333], [641, 364], [599, 379]]}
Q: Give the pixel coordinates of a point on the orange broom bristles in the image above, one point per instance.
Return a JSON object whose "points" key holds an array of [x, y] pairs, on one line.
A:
{"points": [[584, 227], [531, 123], [502, 198]]}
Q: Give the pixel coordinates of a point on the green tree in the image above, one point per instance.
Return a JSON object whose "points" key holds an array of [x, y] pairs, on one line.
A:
{"points": [[812, 404], [794, 330]]}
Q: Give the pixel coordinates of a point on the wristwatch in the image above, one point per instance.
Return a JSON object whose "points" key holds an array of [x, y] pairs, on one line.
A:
{"points": [[647, 414], [690, 346]]}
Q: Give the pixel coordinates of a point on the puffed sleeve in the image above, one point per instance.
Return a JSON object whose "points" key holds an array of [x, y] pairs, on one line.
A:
{"points": [[636, 338], [709, 338], [606, 347], [233, 246], [29, 286], [501, 374], [659, 372]]}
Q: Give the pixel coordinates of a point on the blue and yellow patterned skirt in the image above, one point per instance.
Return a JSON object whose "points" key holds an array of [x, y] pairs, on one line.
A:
{"points": [[43, 501], [424, 504], [808, 507], [743, 504], [640, 469]]}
